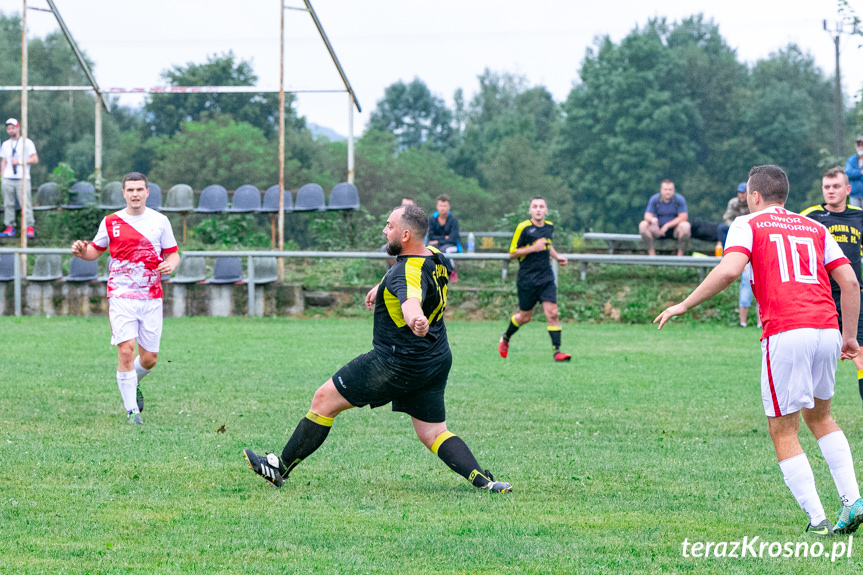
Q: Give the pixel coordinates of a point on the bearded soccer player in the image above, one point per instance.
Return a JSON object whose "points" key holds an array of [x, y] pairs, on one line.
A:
{"points": [[793, 260], [531, 244], [143, 248], [408, 365], [845, 224]]}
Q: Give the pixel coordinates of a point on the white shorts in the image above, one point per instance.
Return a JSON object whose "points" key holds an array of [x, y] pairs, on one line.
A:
{"points": [[138, 319], [797, 366]]}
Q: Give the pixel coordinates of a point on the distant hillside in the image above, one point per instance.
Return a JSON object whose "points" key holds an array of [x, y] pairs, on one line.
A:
{"points": [[328, 133]]}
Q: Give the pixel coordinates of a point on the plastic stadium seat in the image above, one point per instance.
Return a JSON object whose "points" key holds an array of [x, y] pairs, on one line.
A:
{"points": [[214, 199], [227, 270], [266, 270], [180, 198], [190, 271], [82, 270], [271, 200], [112, 197], [7, 267], [154, 200], [47, 268], [344, 197], [310, 197], [246, 199], [47, 197], [80, 195]]}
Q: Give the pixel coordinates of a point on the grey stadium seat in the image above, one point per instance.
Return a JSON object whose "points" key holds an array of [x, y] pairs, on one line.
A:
{"points": [[180, 198], [227, 270], [271, 200], [154, 200], [82, 270], [112, 197], [266, 270], [310, 197], [344, 197], [47, 197], [214, 199], [47, 268], [81, 194], [246, 199], [190, 271], [7, 267]]}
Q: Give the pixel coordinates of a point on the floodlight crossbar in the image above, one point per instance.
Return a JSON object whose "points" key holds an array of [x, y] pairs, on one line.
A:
{"points": [[168, 90]]}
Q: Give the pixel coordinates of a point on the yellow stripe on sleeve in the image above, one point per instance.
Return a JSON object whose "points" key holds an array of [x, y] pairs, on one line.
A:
{"points": [[413, 275], [394, 307], [515, 237], [439, 441], [319, 419]]}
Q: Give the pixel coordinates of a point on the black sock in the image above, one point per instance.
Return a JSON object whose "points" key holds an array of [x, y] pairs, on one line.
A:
{"points": [[455, 453], [510, 329], [307, 437], [554, 333]]}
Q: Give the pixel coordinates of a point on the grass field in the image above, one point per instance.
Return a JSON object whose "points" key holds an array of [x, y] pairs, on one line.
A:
{"points": [[644, 440]]}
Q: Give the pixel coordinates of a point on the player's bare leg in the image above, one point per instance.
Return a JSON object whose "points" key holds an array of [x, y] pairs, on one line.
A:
{"points": [[554, 329], [517, 320], [127, 380]]}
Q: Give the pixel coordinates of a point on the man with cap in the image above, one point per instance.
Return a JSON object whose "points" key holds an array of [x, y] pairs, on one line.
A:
{"points": [[736, 207], [16, 156], [854, 171]]}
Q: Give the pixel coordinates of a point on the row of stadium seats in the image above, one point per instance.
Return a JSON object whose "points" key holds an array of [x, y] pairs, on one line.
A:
{"points": [[214, 199], [226, 270]]}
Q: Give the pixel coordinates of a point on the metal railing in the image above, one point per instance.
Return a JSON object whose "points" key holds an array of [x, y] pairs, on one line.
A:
{"points": [[582, 259]]}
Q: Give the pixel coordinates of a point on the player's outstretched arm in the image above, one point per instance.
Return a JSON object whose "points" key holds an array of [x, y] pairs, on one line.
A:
{"points": [[719, 278], [414, 317], [85, 250], [850, 304]]}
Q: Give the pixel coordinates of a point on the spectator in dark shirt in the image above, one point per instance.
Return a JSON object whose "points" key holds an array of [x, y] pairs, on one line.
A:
{"points": [[443, 231]]}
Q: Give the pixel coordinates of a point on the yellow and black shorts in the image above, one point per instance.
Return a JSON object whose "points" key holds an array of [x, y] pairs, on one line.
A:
{"points": [[415, 388]]}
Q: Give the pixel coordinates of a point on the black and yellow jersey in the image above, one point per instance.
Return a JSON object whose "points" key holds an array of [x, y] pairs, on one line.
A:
{"points": [[421, 277], [846, 228], [535, 267]]}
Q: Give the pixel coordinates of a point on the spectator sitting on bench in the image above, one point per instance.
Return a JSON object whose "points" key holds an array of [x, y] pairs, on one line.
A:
{"points": [[736, 207], [666, 217]]}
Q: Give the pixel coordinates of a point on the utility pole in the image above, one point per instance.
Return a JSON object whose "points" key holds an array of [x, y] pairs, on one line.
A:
{"points": [[839, 106]]}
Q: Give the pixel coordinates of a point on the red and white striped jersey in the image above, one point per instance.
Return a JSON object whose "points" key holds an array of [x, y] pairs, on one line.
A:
{"points": [[791, 259], [138, 244]]}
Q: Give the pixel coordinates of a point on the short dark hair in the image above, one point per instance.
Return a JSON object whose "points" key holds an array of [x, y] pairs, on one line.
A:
{"points": [[836, 172], [408, 198], [135, 177], [416, 220], [537, 198], [771, 182], [442, 198]]}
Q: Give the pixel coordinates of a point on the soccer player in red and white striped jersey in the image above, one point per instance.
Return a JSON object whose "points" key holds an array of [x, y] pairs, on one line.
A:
{"points": [[793, 259], [142, 249]]}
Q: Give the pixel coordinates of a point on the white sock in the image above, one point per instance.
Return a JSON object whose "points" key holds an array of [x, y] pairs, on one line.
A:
{"points": [[799, 478], [834, 446], [139, 370], [128, 383]]}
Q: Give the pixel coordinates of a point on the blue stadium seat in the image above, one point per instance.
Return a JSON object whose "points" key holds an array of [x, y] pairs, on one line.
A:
{"points": [[310, 197], [82, 270], [344, 197], [214, 199], [271, 200], [180, 198], [47, 268], [112, 197], [81, 194], [246, 199], [7, 267], [227, 270], [47, 197], [154, 200]]}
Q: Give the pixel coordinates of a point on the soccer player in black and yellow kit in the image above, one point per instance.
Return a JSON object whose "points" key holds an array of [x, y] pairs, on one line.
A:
{"points": [[408, 365], [531, 244], [845, 224]]}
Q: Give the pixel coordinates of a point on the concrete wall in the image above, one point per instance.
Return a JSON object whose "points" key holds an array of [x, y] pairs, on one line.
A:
{"points": [[88, 299]]}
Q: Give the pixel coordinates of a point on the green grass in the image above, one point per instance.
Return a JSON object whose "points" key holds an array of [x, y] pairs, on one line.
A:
{"points": [[643, 440]]}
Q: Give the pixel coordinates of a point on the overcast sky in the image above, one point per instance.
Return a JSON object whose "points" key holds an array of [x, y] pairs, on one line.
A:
{"points": [[446, 43]]}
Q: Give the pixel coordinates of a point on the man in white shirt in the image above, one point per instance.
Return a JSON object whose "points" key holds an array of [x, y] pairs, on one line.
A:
{"points": [[15, 153]]}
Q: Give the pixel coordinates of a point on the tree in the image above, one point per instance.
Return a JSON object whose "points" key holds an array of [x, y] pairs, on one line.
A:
{"points": [[414, 115], [167, 112]]}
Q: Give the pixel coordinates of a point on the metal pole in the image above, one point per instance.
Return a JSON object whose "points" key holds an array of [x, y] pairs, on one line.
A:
{"points": [[350, 138], [25, 181], [839, 125], [250, 280], [17, 263], [98, 151], [281, 247]]}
